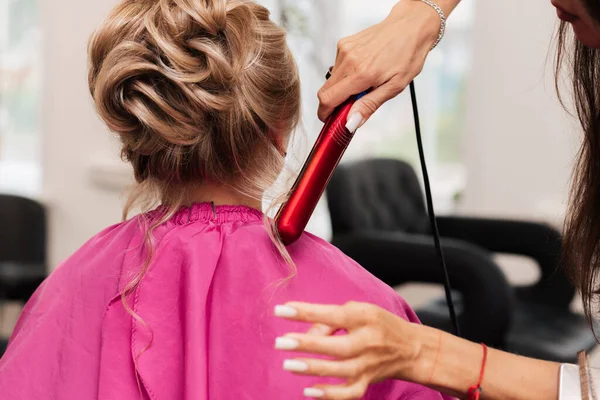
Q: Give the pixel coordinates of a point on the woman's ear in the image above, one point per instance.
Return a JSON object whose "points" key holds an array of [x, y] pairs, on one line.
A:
{"points": [[281, 142]]}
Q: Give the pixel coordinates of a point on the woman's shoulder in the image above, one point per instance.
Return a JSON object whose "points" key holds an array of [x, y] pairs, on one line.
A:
{"points": [[315, 250], [242, 252], [95, 268], [341, 279], [114, 238]]}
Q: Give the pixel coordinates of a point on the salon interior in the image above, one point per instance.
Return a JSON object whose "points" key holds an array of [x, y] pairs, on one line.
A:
{"points": [[498, 144]]}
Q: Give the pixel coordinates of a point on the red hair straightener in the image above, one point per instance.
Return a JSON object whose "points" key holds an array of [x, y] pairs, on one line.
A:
{"points": [[293, 216], [324, 157]]}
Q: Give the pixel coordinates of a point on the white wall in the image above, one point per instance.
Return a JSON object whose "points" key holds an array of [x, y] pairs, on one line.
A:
{"points": [[73, 136], [518, 147], [520, 143]]}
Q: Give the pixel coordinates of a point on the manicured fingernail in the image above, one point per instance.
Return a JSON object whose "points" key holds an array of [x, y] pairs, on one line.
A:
{"points": [[285, 311], [286, 343], [354, 121], [295, 366], [314, 393]]}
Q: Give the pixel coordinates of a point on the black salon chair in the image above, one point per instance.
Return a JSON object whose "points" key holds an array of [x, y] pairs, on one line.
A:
{"points": [[22, 249], [379, 219]]}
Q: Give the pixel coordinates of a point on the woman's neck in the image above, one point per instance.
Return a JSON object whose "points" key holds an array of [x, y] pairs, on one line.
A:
{"points": [[221, 195]]}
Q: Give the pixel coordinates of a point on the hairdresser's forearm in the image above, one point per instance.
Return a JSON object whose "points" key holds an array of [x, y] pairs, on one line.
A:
{"points": [[457, 366], [421, 15]]}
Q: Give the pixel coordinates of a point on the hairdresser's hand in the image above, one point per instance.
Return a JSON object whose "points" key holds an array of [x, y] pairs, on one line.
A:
{"points": [[386, 57], [378, 345]]}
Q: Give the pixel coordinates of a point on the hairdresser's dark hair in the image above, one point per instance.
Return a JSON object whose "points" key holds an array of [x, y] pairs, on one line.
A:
{"points": [[582, 226]]}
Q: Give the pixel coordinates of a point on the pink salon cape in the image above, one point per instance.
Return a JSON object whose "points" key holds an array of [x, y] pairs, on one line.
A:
{"points": [[206, 328]]}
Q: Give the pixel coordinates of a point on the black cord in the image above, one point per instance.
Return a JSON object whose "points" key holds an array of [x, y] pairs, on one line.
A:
{"points": [[434, 226]]}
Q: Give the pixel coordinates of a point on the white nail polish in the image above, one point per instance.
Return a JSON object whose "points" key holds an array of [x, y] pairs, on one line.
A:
{"points": [[295, 366], [285, 311], [314, 393], [354, 121], [286, 343]]}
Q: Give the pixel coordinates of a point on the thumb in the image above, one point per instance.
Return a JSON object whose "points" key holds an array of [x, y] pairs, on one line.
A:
{"points": [[364, 108]]}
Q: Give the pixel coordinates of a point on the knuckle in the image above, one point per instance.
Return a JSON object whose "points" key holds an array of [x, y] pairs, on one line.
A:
{"points": [[358, 346], [307, 315], [319, 369], [365, 309], [358, 391], [362, 388], [377, 342], [369, 104], [371, 317], [306, 342], [396, 86], [417, 68], [352, 60], [350, 311], [375, 314], [366, 312], [347, 349], [324, 97], [344, 316], [356, 370], [366, 72], [353, 372], [344, 46], [352, 305], [322, 113]]}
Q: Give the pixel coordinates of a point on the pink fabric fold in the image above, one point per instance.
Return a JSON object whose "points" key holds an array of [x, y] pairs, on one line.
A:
{"points": [[205, 327]]}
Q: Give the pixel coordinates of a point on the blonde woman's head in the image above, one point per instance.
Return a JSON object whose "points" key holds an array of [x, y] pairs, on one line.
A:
{"points": [[197, 90]]}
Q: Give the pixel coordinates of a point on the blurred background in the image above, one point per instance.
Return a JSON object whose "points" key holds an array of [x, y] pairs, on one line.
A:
{"points": [[498, 143]]}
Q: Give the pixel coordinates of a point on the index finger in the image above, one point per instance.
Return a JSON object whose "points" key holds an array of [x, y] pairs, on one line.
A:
{"points": [[338, 92], [331, 315], [335, 76]]}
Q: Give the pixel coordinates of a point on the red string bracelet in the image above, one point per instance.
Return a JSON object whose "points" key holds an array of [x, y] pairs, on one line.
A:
{"points": [[475, 390]]}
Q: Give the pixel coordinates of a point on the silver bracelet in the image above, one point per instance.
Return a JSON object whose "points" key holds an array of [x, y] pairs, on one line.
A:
{"points": [[442, 18]]}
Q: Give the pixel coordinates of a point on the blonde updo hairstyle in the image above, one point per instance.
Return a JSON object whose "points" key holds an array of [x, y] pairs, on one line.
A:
{"points": [[197, 90]]}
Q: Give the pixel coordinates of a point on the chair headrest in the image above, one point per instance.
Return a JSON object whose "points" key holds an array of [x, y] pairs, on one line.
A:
{"points": [[22, 230], [376, 194]]}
